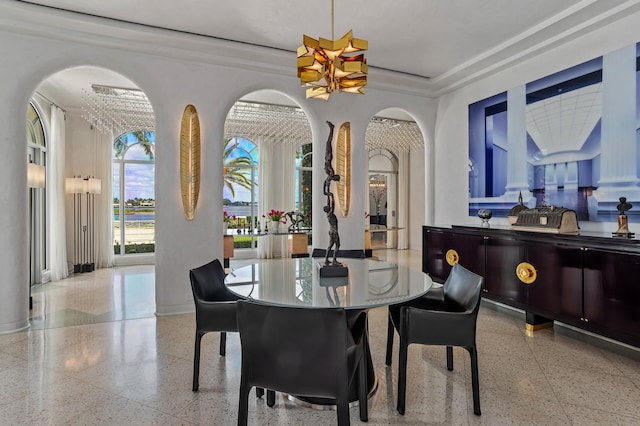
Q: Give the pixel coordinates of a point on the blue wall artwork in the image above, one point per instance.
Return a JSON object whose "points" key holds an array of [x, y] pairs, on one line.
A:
{"points": [[568, 140]]}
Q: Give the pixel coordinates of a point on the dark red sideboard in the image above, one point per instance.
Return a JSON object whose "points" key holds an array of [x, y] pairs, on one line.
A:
{"points": [[589, 281]]}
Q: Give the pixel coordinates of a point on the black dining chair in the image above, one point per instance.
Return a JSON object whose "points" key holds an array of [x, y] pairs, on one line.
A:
{"points": [[447, 317], [347, 254], [215, 308], [307, 352]]}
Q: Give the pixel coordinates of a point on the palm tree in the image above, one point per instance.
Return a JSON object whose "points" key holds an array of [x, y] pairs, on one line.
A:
{"points": [[235, 169], [142, 137]]}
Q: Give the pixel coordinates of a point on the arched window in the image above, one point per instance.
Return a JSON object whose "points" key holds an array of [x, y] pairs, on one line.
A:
{"points": [[304, 173], [240, 190], [37, 153], [134, 201]]}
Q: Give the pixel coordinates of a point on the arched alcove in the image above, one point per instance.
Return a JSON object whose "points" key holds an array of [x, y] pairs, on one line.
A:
{"points": [[396, 192], [90, 113], [267, 166]]}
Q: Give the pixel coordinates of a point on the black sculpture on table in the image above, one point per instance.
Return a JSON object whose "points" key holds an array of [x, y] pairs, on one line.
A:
{"points": [[331, 268], [295, 219]]}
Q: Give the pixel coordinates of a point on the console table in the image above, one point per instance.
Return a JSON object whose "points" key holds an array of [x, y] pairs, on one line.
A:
{"points": [[590, 281]]}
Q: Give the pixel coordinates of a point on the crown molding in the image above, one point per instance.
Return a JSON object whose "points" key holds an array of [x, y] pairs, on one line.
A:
{"points": [[49, 23]]}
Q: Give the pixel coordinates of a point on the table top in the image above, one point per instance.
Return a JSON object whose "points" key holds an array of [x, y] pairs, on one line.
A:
{"points": [[296, 282]]}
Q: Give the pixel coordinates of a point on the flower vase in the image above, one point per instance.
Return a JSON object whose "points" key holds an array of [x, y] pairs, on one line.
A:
{"points": [[225, 226], [275, 227]]}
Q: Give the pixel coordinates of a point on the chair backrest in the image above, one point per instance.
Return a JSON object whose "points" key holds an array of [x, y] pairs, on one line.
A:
{"points": [[300, 351], [347, 254], [207, 283], [462, 289]]}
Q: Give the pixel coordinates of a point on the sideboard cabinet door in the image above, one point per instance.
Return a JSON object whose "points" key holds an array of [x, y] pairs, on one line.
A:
{"points": [[612, 294], [436, 244], [557, 289]]}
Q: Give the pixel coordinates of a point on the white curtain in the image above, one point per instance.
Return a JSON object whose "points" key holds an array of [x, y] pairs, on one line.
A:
{"points": [[265, 195], [103, 145], [274, 193], [56, 197], [403, 200], [289, 176]]}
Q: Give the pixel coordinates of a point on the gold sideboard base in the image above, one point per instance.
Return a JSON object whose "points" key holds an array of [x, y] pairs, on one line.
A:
{"points": [[536, 327]]}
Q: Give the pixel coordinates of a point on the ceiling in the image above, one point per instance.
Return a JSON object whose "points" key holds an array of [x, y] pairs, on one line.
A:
{"points": [[444, 41]]}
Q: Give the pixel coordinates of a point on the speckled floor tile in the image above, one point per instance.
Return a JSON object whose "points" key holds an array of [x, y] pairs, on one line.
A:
{"points": [[83, 364]]}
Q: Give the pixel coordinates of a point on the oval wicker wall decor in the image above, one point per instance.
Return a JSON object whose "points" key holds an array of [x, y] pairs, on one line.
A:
{"points": [[343, 167], [190, 160]]}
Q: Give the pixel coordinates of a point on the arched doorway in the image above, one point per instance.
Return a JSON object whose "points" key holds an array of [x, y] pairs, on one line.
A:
{"points": [[267, 167], [83, 129], [396, 169]]}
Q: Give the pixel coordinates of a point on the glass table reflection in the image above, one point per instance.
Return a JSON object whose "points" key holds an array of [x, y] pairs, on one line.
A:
{"points": [[296, 282]]}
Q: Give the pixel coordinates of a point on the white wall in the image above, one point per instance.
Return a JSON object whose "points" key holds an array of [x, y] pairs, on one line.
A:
{"points": [[173, 70], [451, 129]]}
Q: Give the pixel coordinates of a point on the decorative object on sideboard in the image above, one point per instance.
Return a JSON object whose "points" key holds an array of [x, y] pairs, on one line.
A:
{"points": [[485, 215], [623, 223], [513, 213], [190, 161], [551, 219]]}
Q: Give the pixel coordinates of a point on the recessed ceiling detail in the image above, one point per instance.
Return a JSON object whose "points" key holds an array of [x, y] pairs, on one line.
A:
{"points": [[563, 123]]}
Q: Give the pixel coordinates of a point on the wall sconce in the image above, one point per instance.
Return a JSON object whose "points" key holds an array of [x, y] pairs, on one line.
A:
{"points": [[83, 225], [190, 160], [343, 167]]}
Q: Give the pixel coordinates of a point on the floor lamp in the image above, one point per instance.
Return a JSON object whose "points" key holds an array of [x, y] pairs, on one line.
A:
{"points": [[83, 222], [92, 187], [74, 186], [35, 180]]}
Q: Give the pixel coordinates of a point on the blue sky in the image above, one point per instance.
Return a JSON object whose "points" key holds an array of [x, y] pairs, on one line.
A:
{"points": [[139, 177]]}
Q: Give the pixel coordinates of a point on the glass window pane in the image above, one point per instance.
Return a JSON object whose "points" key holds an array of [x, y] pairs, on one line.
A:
{"points": [[139, 151], [139, 215]]}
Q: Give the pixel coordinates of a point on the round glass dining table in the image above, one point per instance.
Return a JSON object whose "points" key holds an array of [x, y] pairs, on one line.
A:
{"points": [[297, 282]]}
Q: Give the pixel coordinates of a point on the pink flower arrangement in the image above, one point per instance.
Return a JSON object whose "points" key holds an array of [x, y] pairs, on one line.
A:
{"points": [[275, 215], [227, 218]]}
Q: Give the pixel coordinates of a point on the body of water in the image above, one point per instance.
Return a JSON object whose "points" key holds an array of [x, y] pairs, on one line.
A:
{"points": [[136, 216]]}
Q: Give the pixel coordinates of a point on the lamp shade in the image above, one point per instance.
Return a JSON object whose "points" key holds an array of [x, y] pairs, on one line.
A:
{"points": [[94, 186], [35, 175], [73, 185]]}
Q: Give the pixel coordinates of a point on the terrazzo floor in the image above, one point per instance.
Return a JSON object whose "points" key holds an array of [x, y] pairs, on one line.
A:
{"points": [[96, 354]]}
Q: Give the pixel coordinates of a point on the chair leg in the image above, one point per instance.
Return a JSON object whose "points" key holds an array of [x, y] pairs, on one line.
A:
{"points": [[243, 405], [271, 398], [475, 384], [363, 389], [450, 358], [223, 343], [259, 392], [196, 362], [402, 375], [343, 412], [390, 332]]}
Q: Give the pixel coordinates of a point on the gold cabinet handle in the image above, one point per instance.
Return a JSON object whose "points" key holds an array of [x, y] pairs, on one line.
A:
{"points": [[452, 257], [526, 273]]}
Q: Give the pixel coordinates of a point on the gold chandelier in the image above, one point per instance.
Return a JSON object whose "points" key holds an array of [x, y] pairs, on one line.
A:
{"points": [[328, 66]]}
